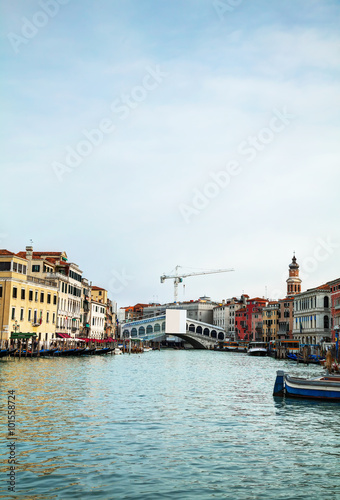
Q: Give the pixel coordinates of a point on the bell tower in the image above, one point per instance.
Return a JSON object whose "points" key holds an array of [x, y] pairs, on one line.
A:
{"points": [[293, 282]]}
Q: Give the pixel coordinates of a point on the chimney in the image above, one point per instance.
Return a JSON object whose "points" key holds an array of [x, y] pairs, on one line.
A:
{"points": [[29, 252]]}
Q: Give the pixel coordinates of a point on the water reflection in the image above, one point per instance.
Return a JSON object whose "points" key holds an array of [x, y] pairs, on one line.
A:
{"points": [[171, 424]]}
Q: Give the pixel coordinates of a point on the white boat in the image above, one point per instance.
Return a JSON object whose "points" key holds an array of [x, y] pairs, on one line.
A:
{"points": [[257, 349], [147, 349], [117, 351]]}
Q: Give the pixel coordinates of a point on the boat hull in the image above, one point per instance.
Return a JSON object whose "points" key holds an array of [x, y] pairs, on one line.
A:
{"points": [[321, 388], [257, 352]]}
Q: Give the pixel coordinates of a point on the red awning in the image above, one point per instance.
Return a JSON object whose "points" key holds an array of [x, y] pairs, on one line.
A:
{"points": [[63, 335]]}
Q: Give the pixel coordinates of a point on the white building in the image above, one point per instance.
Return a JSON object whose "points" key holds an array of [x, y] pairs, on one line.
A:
{"points": [[224, 315], [98, 315], [312, 315]]}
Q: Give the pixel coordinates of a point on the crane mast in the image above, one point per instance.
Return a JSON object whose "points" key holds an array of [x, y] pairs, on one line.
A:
{"points": [[178, 278]]}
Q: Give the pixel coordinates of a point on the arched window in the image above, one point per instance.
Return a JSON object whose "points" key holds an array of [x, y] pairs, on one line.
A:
{"points": [[199, 329], [220, 336], [133, 332], [206, 332], [213, 334], [191, 328], [157, 327], [149, 329], [326, 321], [325, 302], [141, 330]]}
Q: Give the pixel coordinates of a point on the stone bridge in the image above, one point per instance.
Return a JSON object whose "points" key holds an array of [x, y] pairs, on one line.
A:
{"points": [[200, 335]]}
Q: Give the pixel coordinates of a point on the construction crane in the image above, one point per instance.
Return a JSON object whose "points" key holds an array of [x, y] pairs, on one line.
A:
{"points": [[178, 278]]}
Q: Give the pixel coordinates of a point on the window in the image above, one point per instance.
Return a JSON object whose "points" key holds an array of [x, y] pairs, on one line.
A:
{"points": [[100, 293], [30, 295], [36, 296], [22, 314], [48, 298], [41, 296], [47, 317], [29, 314], [0, 291], [54, 299], [23, 294], [15, 292], [35, 268], [35, 316], [5, 266], [15, 266], [24, 268], [53, 318], [13, 312], [19, 268]]}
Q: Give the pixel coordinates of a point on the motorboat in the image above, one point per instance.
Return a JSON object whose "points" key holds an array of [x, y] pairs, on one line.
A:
{"points": [[326, 388], [257, 349]]}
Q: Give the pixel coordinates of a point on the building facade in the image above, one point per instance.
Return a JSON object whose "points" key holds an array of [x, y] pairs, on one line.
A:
{"points": [[28, 304], [312, 315], [270, 320], [335, 306]]}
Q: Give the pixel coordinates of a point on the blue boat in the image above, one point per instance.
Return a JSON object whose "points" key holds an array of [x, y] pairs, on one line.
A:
{"points": [[325, 388]]}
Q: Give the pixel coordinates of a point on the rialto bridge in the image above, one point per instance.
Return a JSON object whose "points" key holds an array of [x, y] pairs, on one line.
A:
{"points": [[174, 322]]}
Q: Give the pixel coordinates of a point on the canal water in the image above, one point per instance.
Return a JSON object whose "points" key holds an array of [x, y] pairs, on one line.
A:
{"points": [[165, 425]]}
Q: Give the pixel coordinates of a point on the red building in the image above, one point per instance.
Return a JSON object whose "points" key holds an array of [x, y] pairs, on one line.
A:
{"points": [[335, 305], [248, 320]]}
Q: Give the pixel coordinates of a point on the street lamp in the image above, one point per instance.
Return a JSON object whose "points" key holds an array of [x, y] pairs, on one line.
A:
{"points": [[16, 327]]}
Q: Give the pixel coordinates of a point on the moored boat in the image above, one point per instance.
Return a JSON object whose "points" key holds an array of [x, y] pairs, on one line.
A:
{"points": [[325, 388], [257, 349]]}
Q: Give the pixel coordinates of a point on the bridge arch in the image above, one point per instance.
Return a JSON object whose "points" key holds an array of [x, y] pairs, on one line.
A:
{"points": [[141, 331], [206, 332], [149, 329], [213, 334], [157, 328], [191, 328], [133, 332], [199, 330]]}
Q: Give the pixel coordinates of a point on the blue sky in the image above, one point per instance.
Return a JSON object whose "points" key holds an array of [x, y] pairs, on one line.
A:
{"points": [[184, 88]]}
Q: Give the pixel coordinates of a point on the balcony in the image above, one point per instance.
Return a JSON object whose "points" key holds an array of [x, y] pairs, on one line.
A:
{"points": [[42, 281]]}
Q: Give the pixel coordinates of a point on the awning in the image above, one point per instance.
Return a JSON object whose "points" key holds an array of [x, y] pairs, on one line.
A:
{"points": [[63, 335], [20, 335]]}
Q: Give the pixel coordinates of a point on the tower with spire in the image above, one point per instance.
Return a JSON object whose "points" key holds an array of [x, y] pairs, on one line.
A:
{"points": [[293, 282]]}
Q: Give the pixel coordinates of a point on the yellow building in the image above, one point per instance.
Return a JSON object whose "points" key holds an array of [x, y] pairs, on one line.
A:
{"points": [[99, 294], [270, 319], [27, 304]]}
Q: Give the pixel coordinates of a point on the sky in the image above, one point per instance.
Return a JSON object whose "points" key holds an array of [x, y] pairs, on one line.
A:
{"points": [[138, 136]]}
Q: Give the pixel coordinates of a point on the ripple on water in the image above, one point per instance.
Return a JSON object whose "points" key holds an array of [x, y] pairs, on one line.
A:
{"points": [[170, 424]]}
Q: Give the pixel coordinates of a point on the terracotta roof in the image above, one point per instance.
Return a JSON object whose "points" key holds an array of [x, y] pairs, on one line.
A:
{"points": [[97, 288], [323, 287], [258, 299], [7, 252], [243, 309]]}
